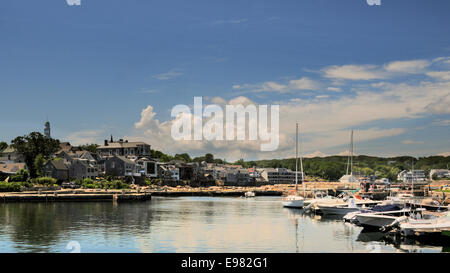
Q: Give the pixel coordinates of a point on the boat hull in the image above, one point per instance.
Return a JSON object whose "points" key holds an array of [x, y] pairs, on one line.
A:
{"points": [[374, 221], [293, 204], [337, 210]]}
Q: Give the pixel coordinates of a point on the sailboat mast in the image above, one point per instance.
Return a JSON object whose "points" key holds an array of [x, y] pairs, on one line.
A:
{"points": [[296, 158], [351, 154], [303, 175]]}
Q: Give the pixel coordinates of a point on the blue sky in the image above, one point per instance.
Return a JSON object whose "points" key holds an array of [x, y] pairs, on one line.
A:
{"points": [[92, 70]]}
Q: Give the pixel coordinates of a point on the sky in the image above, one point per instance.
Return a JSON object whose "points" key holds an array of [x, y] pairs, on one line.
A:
{"points": [[109, 67]]}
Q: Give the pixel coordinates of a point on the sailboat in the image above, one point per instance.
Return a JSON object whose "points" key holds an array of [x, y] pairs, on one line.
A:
{"points": [[295, 201]]}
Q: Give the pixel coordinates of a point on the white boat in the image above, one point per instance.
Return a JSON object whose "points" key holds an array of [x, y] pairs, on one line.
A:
{"points": [[340, 209], [377, 220], [295, 201], [424, 224], [250, 194]]}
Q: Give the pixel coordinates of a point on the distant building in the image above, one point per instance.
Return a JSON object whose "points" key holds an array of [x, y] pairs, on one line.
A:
{"points": [[440, 173], [279, 176], [11, 168], [120, 166], [57, 169], [10, 155], [409, 176], [238, 177], [124, 148], [47, 129]]}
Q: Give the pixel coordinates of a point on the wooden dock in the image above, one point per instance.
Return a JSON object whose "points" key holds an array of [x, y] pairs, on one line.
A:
{"points": [[82, 197]]}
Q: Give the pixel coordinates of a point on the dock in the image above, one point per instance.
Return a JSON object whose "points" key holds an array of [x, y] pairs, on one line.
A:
{"points": [[75, 197]]}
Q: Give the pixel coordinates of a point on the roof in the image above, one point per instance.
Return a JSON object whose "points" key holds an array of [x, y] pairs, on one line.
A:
{"points": [[9, 149], [117, 145], [11, 168], [59, 164], [124, 159]]}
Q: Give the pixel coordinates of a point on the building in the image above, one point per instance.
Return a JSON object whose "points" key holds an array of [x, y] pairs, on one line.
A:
{"points": [[11, 168], [440, 173], [147, 167], [410, 176], [47, 129], [57, 169], [120, 166], [279, 176], [239, 177], [123, 148], [10, 155]]}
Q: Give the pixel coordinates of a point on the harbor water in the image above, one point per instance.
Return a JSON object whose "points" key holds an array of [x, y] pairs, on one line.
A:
{"points": [[185, 224]]}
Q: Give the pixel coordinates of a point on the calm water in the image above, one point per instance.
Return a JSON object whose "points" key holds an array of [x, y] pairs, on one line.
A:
{"points": [[184, 224]]}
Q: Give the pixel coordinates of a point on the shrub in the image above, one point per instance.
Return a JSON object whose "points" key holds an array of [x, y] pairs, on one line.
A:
{"points": [[45, 181], [21, 175], [13, 186]]}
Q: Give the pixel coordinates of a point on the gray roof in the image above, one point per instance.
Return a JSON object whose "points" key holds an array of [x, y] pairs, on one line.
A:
{"points": [[59, 164], [117, 145]]}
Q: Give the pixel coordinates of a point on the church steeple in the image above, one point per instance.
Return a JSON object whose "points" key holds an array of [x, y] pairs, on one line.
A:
{"points": [[47, 129], [111, 139]]}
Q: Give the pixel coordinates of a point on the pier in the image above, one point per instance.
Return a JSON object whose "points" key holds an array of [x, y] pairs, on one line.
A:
{"points": [[62, 196]]}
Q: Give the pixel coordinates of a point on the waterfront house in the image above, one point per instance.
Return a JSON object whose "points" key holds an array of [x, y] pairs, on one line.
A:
{"points": [[80, 169], [237, 177], [10, 155], [57, 169], [11, 168], [440, 173], [279, 176], [146, 167], [124, 148], [120, 166], [410, 176]]}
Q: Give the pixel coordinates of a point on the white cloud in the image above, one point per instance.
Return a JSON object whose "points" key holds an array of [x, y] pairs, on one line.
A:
{"points": [[168, 75], [335, 89], [84, 137], [304, 84], [440, 105], [410, 141], [413, 67], [354, 72], [440, 75]]}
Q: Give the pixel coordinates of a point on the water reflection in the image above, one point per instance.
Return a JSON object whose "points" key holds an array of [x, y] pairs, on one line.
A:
{"points": [[185, 224]]}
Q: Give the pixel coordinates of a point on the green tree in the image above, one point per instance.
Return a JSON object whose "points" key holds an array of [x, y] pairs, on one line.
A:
{"points": [[92, 148], [33, 144], [39, 162], [209, 158], [3, 145]]}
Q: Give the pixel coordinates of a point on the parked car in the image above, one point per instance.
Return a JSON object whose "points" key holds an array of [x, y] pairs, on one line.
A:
{"points": [[69, 185]]}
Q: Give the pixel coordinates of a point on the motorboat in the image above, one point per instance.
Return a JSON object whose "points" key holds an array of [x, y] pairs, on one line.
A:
{"points": [[378, 219], [250, 194], [340, 209], [422, 223], [293, 201]]}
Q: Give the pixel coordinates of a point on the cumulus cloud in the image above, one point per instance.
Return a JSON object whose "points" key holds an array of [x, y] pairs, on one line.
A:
{"points": [[413, 67], [324, 123], [354, 72]]}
